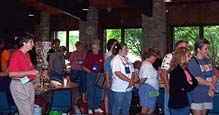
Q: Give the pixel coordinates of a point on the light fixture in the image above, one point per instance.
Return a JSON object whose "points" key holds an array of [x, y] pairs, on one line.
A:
{"points": [[85, 9], [109, 9], [31, 15], [167, 0]]}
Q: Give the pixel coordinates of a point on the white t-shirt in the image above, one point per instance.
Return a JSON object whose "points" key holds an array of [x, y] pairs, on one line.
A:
{"points": [[166, 61], [148, 71], [119, 63]]}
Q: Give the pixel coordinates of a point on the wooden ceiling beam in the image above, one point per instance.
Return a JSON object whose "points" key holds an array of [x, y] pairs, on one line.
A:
{"points": [[103, 4]]}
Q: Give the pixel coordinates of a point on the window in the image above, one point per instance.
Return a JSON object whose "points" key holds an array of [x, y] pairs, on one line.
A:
{"points": [[113, 34], [132, 37], [73, 38], [212, 34], [189, 34], [61, 35]]}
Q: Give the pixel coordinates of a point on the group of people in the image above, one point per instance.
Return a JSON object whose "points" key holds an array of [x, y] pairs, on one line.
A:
{"points": [[18, 69], [189, 77], [190, 80]]}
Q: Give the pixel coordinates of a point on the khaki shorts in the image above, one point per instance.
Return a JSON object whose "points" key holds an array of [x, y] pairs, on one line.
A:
{"points": [[202, 106]]}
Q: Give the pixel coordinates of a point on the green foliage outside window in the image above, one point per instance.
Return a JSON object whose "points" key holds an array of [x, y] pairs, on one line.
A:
{"points": [[212, 34], [190, 34], [113, 34], [62, 37], [133, 38], [73, 38]]}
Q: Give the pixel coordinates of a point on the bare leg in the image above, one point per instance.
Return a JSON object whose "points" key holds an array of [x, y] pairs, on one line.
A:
{"points": [[197, 112]]}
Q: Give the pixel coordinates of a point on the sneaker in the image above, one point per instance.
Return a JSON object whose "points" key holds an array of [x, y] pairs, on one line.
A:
{"points": [[90, 111], [99, 110]]}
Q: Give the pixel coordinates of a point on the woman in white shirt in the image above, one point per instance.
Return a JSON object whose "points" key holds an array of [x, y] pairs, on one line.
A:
{"points": [[149, 87], [122, 81]]}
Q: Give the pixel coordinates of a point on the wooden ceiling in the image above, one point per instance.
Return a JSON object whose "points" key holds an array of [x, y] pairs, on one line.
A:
{"points": [[65, 14], [193, 12]]}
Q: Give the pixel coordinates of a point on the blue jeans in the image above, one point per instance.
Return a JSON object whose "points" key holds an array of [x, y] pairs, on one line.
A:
{"points": [[121, 102], [94, 93], [166, 101], [79, 76], [180, 111], [109, 96]]}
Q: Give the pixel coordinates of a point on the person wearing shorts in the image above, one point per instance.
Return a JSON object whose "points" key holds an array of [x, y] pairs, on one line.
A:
{"points": [[149, 87], [201, 67]]}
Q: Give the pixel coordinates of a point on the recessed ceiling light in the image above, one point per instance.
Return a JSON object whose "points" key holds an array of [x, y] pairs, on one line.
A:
{"points": [[85, 9], [30, 15], [167, 0]]}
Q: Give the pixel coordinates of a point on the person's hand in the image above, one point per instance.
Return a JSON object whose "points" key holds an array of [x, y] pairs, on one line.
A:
{"points": [[166, 86], [211, 92], [131, 83], [33, 72], [111, 49], [108, 84], [212, 86]]}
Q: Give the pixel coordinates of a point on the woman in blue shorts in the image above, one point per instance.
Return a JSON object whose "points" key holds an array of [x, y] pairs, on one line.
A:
{"points": [[149, 88]]}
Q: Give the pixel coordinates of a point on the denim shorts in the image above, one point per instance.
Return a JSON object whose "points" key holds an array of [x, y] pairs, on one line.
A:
{"points": [[147, 99]]}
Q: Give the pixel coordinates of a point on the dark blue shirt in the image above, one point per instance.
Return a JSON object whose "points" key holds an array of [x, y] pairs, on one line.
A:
{"points": [[201, 68]]}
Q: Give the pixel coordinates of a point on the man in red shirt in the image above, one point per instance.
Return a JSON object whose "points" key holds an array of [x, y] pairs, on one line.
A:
{"points": [[93, 65]]}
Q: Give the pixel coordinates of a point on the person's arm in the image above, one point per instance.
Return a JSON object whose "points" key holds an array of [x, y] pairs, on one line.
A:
{"points": [[5, 60], [165, 66], [122, 76], [202, 81], [194, 69], [86, 69], [86, 64], [164, 76], [106, 75], [72, 59], [23, 73], [3, 74], [135, 77]]}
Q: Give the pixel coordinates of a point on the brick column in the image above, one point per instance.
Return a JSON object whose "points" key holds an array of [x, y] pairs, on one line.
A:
{"points": [[89, 29], [155, 27], [43, 44]]}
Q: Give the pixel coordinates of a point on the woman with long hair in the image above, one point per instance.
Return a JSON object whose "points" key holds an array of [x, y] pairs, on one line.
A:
{"points": [[180, 83]]}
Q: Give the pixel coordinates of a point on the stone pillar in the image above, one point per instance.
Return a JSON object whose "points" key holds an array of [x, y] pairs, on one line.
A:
{"points": [[43, 44], [155, 27], [44, 26], [89, 29]]}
